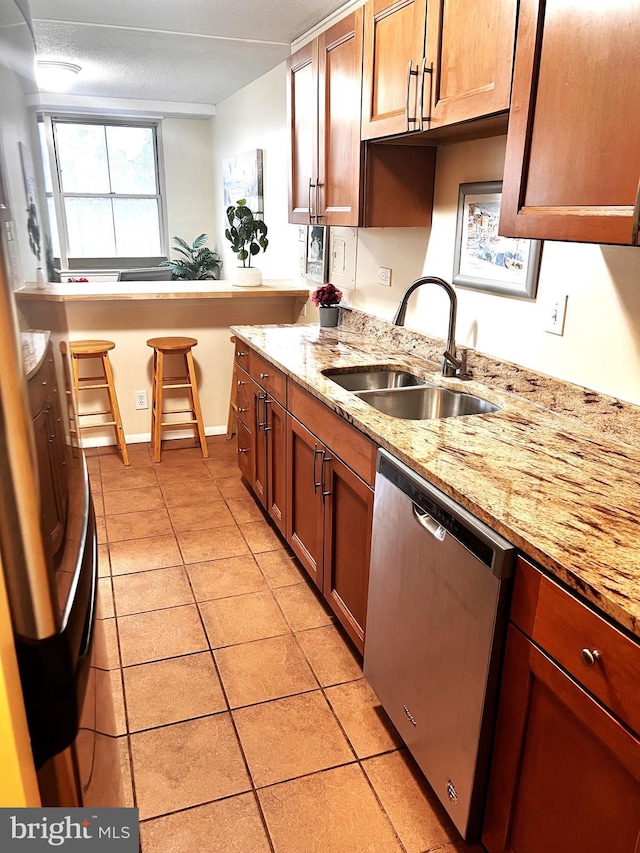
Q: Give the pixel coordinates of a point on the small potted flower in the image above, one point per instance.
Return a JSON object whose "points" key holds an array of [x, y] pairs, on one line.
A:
{"points": [[326, 298]]}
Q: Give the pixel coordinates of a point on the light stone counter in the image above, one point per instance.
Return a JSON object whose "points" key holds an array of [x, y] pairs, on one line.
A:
{"points": [[562, 491], [145, 290], [33, 343]]}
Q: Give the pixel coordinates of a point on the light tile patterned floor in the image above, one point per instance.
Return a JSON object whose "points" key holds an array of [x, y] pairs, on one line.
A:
{"points": [[249, 725]]}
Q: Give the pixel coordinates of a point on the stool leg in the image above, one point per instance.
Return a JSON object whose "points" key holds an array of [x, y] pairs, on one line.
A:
{"points": [[154, 373], [115, 409], [195, 402], [158, 373]]}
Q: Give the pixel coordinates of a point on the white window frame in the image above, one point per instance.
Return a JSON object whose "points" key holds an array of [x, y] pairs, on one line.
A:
{"points": [[68, 262]]}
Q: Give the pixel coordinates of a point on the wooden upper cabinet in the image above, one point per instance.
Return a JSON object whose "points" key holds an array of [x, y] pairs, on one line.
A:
{"points": [[339, 99], [336, 179], [394, 38], [302, 98], [468, 60], [573, 148]]}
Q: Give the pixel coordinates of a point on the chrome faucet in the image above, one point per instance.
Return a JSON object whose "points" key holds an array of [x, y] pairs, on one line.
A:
{"points": [[450, 364]]}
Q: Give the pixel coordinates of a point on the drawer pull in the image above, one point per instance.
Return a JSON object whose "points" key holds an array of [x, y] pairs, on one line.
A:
{"points": [[264, 376], [590, 658], [243, 450], [241, 354], [240, 383], [241, 409]]}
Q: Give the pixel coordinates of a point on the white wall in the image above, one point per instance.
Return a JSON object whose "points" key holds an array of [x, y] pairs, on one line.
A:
{"points": [[256, 117], [189, 184]]}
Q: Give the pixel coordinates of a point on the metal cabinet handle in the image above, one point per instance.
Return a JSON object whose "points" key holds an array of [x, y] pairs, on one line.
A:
{"points": [[429, 524], [425, 71], [264, 376], [325, 460], [243, 450], [311, 213], [317, 207], [410, 73], [240, 383], [242, 409], [317, 452], [266, 402], [261, 399], [589, 657], [241, 354], [635, 224]]}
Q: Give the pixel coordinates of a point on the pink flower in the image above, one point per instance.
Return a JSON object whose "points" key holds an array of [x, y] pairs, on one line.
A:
{"points": [[326, 295]]}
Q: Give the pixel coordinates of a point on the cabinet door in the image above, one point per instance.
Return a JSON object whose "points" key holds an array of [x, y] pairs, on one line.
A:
{"points": [[565, 773], [304, 497], [245, 451], [573, 148], [394, 36], [470, 56], [339, 100], [302, 97], [276, 438], [348, 515], [258, 423]]}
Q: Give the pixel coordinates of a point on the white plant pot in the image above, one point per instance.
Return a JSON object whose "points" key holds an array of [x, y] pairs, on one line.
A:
{"points": [[247, 277]]}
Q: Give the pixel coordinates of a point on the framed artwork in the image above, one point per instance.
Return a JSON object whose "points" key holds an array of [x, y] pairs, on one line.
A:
{"points": [[483, 259], [242, 178], [316, 254], [30, 191]]}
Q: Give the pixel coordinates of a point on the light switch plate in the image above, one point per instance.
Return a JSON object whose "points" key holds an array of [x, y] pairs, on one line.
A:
{"points": [[556, 315]]}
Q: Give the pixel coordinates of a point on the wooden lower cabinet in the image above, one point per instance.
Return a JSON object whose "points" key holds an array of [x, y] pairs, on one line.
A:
{"points": [[261, 442], [566, 773], [304, 522], [348, 515], [275, 450], [329, 516]]}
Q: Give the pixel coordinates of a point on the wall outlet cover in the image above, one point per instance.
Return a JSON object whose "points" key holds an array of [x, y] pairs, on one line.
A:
{"points": [[141, 400], [384, 276]]}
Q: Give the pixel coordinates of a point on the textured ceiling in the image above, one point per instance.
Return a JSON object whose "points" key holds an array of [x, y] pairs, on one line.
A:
{"points": [[191, 51]]}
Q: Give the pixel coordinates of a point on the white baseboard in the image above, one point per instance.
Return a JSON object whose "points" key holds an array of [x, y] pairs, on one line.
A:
{"points": [[145, 437]]}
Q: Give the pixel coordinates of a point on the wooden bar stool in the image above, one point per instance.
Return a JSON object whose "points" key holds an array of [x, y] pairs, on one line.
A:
{"points": [[174, 346], [98, 350]]}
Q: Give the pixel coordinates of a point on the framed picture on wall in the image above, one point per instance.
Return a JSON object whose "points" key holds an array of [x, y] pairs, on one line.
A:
{"points": [[242, 178], [483, 259], [317, 252]]}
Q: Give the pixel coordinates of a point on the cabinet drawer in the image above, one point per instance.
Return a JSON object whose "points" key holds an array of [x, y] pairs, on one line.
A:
{"points": [[242, 354], [269, 377], [40, 385], [243, 388], [563, 627], [354, 448]]}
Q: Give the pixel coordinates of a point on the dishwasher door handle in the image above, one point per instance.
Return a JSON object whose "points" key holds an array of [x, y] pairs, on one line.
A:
{"points": [[429, 524]]}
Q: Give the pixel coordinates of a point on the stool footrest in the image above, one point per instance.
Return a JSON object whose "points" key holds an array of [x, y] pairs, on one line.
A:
{"points": [[178, 423], [101, 424], [178, 385]]}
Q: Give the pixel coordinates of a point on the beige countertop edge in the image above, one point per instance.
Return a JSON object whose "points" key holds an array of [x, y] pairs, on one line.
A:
{"points": [[567, 498], [117, 291]]}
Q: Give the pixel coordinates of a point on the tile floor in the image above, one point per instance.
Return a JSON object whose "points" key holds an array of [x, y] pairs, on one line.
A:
{"points": [[248, 722]]}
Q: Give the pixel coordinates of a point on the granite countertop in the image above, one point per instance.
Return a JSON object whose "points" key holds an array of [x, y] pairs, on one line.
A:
{"points": [[34, 345], [144, 290], [563, 492]]}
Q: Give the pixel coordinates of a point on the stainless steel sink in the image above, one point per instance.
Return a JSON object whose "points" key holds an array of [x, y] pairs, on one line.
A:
{"points": [[425, 403], [372, 378]]}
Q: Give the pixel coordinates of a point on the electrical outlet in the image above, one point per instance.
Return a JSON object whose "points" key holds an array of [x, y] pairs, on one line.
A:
{"points": [[556, 314], [141, 399], [384, 276]]}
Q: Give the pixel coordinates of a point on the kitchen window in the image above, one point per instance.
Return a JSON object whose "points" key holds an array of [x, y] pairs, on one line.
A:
{"points": [[103, 187]]}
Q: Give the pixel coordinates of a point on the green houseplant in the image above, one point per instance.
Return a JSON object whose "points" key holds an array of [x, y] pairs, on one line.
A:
{"points": [[196, 262], [247, 235]]}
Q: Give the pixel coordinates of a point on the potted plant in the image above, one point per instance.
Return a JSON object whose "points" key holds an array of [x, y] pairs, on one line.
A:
{"points": [[196, 263], [326, 297], [247, 235]]}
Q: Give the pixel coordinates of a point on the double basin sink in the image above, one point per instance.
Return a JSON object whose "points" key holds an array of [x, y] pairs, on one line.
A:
{"points": [[401, 394]]}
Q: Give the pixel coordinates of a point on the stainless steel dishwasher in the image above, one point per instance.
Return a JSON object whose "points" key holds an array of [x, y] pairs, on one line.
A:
{"points": [[435, 624]]}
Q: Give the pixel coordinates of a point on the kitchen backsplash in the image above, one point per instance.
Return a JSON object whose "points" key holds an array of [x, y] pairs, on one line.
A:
{"points": [[607, 415]]}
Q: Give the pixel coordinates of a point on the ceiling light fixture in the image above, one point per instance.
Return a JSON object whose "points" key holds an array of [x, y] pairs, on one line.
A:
{"points": [[54, 76]]}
